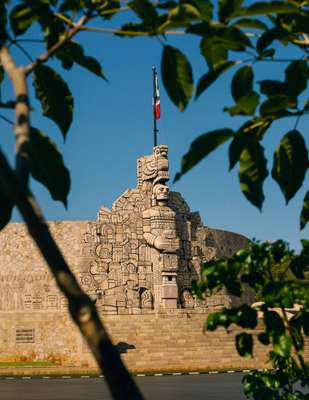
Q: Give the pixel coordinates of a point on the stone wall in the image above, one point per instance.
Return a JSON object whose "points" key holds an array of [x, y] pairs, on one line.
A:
{"points": [[147, 343], [25, 280]]}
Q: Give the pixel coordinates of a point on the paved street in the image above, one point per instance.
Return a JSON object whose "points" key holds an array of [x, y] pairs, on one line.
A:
{"points": [[185, 387]]}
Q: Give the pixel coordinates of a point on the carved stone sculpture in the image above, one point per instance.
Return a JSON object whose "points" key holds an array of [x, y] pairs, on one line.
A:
{"points": [[140, 256], [143, 254]]}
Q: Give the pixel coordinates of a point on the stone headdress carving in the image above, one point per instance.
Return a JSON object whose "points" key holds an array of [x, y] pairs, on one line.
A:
{"points": [[154, 168]]}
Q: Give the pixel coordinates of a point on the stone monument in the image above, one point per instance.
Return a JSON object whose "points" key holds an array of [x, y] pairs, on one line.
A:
{"points": [[143, 254], [137, 261]]}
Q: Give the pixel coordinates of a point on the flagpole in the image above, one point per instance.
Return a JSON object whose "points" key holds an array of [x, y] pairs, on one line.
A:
{"points": [[155, 129]]}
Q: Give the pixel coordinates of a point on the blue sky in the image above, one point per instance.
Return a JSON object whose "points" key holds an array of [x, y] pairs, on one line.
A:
{"points": [[113, 126]]}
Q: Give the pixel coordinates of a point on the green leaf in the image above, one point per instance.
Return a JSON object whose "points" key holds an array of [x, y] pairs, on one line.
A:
{"points": [[273, 88], [274, 324], [177, 76], [249, 132], [244, 344], [269, 53], [269, 36], [109, 9], [211, 76], [263, 338], [167, 5], [73, 5], [200, 29], [283, 345], [6, 207], [230, 37], [145, 10], [226, 9], [242, 91], [21, 18], [252, 173], [304, 216], [250, 23], [214, 53], [300, 70], [246, 105], [222, 317], [298, 265], [295, 22], [3, 22], [183, 14], [205, 8], [55, 97], [126, 29], [53, 28], [246, 317], [274, 105], [201, 147], [266, 8], [242, 82], [305, 322], [290, 163], [47, 166], [73, 52]]}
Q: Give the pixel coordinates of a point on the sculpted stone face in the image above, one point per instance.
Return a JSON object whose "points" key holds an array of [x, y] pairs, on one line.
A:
{"points": [[161, 151], [161, 193]]}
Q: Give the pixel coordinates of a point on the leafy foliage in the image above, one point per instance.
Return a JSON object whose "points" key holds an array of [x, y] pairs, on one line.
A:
{"points": [[290, 163], [252, 173], [225, 43], [55, 19], [21, 18], [55, 97], [280, 278], [244, 344], [177, 76], [73, 52], [211, 76], [304, 216], [47, 166], [202, 146]]}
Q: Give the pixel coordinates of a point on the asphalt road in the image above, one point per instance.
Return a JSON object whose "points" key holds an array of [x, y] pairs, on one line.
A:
{"points": [[184, 387]]}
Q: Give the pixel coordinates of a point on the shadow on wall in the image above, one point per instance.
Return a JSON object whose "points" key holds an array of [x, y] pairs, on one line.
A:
{"points": [[123, 347]]}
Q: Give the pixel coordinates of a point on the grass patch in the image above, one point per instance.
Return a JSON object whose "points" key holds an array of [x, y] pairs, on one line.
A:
{"points": [[27, 364]]}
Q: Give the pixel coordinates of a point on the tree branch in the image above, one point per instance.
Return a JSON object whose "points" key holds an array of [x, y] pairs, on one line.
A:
{"points": [[24, 51], [113, 30], [128, 32], [112, 10], [49, 53], [81, 307], [6, 119], [296, 348], [29, 40], [22, 120]]}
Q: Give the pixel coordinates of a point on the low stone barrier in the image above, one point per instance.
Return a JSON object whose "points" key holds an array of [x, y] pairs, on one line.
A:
{"points": [[148, 343]]}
